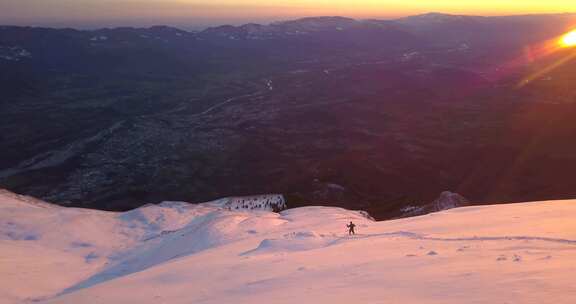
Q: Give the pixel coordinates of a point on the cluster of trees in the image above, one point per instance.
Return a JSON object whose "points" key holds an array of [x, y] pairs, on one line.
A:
{"points": [[256, 203]]}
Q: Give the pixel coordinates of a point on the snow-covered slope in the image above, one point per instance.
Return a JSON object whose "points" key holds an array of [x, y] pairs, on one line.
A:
{"points": [[181, 253]]}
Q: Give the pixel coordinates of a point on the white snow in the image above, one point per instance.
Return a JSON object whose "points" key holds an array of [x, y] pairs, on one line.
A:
{"points": [[14, 53], [409, 56], [270, 84], [181, 253], [99, 38]]}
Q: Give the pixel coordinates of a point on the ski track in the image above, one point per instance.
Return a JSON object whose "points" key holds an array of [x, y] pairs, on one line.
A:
{"points": [[416, 236]]}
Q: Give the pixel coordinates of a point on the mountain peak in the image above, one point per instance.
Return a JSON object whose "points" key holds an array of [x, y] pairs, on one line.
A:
{"points": [[322, 21], [449, 200], [434, 17]]}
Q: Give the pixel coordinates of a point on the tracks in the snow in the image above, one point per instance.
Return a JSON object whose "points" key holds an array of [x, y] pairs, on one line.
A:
{"points": [[416, 236]]}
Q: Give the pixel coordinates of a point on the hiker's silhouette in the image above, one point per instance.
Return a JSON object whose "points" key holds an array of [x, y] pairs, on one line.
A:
{"points": [[351, 228]]}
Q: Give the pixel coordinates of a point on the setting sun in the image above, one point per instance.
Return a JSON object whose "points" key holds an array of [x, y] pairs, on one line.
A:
{"points": [[569, 40]]}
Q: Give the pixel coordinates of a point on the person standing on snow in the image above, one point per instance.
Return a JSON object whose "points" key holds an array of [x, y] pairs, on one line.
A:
{"points": [[351, 228]]}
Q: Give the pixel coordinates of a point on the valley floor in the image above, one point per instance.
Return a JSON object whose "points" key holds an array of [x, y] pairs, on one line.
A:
{"points": [[179, 253]]}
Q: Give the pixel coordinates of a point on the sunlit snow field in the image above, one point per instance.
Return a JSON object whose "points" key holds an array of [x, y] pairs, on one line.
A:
{"points": [[181, 253]]}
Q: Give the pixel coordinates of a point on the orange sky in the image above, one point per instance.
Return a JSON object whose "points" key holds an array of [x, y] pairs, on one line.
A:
{"points": [[392, 7], [221, 11]]}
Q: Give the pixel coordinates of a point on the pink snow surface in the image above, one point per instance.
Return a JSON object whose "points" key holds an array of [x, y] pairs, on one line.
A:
{"points": [[203, 254]]}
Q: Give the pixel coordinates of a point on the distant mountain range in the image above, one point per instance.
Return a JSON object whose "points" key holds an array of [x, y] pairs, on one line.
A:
{"points": [[366, 114]]}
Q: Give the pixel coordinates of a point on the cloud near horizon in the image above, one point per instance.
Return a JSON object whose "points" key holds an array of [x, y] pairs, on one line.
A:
{"points": [[144, 12]]}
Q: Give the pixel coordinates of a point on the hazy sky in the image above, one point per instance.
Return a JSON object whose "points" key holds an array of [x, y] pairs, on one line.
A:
{"points": [[91, 13]]}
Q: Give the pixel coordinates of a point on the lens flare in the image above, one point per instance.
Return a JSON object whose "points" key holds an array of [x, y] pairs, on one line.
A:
{"points": [[569, 40]]}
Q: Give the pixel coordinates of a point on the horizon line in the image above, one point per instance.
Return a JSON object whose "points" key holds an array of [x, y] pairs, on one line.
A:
{"points": [[269, 21]]}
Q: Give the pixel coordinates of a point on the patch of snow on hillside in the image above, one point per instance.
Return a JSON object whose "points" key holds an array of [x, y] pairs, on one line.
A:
{"points": [[14, 53], [99, 38]]}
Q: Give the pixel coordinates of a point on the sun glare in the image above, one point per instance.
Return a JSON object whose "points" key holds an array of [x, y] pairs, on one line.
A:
{"points": [[569, 40]]}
